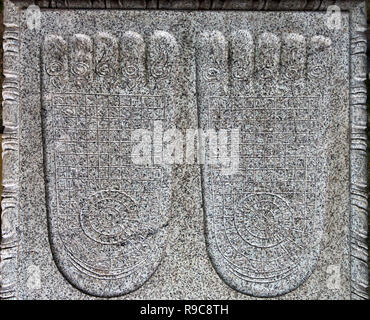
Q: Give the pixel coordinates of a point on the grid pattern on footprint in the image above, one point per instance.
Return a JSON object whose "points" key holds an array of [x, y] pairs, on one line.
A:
{"points": [[108, 211], [261, 216]]}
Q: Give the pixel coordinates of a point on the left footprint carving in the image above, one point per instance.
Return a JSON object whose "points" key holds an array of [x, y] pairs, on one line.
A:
{"points": [[108, 213]]}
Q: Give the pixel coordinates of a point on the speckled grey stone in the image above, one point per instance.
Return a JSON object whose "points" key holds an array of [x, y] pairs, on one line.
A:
{"points": [[81, 221]]}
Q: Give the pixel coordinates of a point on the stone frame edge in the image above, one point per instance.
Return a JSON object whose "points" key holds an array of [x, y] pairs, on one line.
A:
{"points": [[10, 154], [357, 100]]}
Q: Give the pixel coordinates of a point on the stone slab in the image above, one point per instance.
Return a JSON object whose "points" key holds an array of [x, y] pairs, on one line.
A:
{"points": [[80, 220]]}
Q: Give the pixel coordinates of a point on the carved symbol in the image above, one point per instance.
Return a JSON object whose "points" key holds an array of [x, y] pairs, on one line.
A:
{"points": [[56, 61], [109, 216], [132, 59], [163, 52], [268, 48], [54, 68], [104, 68], [318, 57], [212, 57], [265, 220], [79, 68], [106, 55], [159, 68], [211, 74], [81, 58], [215, 56], [293, 56]]}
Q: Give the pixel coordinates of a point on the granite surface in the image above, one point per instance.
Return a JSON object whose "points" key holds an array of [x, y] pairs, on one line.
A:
{"points": [[86, 216]]}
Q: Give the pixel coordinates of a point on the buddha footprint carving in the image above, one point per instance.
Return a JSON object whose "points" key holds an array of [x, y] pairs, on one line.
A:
{"points": [[108, 202], [264, 221]]}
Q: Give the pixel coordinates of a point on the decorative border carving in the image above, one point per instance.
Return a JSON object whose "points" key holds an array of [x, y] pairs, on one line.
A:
{"points": [[358, 117], [10, 155], [358, 158], [275, 5]]}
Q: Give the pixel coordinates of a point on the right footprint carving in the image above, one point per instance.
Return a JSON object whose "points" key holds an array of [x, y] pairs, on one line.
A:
{"points": [[264, 222]]}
